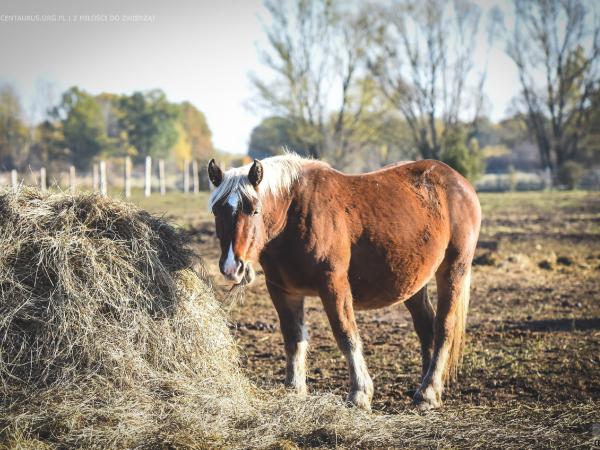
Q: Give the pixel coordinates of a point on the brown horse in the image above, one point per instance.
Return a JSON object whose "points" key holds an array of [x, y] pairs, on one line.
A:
{"points": [[359, 242]]}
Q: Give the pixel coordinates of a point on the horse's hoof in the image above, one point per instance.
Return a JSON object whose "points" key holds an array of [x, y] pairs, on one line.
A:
{"points": [[426, 401], [299, 389], [360, 399]]}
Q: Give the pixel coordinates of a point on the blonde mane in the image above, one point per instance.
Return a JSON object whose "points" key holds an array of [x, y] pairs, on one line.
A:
{"points": [[279, 175]]}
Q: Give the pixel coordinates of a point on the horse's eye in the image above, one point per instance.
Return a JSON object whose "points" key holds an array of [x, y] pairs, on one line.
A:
{"points": [[255, 212]]}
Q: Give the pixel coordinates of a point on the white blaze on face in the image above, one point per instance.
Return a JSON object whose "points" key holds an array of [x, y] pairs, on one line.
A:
{"points": [[230, 266], [234, 201]]}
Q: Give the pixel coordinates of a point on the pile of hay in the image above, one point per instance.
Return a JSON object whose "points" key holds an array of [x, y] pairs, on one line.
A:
{"points": [[110, 339], [104, 325]]}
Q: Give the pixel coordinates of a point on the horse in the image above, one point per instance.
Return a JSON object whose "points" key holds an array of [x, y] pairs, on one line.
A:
{"points": [[358, 242]]}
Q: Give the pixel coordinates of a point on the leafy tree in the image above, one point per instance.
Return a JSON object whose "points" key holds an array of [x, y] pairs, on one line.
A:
{"points": [[149, 121], [182, 150], [83, 126], [48, 145], [570, 174], [118, 138], [198, 133], [13, 130], [271, 136], [466, 159]]}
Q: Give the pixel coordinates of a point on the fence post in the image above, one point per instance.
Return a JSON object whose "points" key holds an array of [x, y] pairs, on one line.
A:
{"points": [[161, 177], [72, 179], [127, 175], [148, 180], [195, 175], [14, 181], [186, 176], [103, 187], [95, 177], [43, 179]]}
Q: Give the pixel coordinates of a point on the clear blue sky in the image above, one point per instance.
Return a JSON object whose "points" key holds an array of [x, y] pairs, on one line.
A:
{"points": [[201, 51]]}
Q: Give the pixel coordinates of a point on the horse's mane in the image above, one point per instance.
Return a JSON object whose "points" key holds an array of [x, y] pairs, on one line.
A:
{"points": [[279, 175]]}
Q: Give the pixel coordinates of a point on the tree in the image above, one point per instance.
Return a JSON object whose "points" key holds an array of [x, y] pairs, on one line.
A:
{"points": [[83, 126], [198, 133], [271, 136], [13, 130], [466, 159], [149, 121], [555, 46], [182, 150], [47, 147], [316, 52], [424, 64]]}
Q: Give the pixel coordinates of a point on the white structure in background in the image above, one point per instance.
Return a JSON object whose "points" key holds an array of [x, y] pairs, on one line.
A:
{"points": [[127, 180], [72, 180], [95, 178], [14, 181], [186, 176], [103, 184], [148, 180], [161, 177], [43, 179], [195, 175]]}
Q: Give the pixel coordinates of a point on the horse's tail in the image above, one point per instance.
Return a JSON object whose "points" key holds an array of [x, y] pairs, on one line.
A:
{"points": [[460, 324]]}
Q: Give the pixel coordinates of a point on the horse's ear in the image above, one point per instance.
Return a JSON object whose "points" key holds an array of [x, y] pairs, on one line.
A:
{"points": [[255, 175], [215, 174]]}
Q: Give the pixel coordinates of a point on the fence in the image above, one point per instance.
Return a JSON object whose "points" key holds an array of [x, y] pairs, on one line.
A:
{"points": [[117, 176]]}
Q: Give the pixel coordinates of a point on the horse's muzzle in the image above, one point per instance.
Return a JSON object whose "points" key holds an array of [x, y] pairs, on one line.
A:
{"points": [[243, 273]]}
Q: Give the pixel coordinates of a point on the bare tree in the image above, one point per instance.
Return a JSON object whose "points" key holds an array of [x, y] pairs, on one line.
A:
{"points": [[424, 63], [316, 51], [555, 45]]}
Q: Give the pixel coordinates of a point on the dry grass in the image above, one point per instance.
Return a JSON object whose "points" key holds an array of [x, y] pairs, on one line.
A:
{"points": [[111, 339]]}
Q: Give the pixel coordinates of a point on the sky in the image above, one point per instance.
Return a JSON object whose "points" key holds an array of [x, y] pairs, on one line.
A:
{"points": [[200, 51]]}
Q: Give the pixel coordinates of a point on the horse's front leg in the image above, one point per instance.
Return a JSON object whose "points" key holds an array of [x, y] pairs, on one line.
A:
{"points": [[337, 299], [290, 309]]}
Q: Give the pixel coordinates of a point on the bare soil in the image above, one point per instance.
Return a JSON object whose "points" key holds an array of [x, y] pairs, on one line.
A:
{"points": [[533, 337]]}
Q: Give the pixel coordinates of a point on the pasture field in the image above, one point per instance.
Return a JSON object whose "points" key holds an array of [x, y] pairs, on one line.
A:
{"points": [[533, 336]]}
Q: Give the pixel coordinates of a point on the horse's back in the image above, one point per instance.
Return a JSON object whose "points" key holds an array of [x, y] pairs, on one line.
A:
{"points": [[400, 220]]}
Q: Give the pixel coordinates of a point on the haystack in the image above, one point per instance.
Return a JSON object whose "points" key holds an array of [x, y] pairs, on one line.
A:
{"points": [[111, 337], [105, 325]]}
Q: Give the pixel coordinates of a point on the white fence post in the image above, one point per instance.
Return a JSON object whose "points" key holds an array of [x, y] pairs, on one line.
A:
{"points": [[72, 179], [161, 177], [186, 176], [95, 177], [14, 181], [127, 180], [148, 180], [103, 187], [195, 175], [43, 179]]}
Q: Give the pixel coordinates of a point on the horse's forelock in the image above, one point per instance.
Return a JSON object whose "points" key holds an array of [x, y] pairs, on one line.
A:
{"points": [[280, 173]]}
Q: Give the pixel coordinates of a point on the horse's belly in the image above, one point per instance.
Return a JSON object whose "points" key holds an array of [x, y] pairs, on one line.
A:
{"points": [[381, 279]]}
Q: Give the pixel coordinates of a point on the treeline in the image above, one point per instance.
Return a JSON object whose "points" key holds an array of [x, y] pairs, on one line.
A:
{"points": [[365, 85], [82, 128]]}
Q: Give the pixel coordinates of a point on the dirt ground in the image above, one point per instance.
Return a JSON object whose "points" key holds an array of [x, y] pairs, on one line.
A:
{"points": [[533, 331]]}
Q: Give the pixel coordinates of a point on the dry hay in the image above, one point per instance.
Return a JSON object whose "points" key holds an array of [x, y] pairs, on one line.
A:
{"points": [[111, 339]]}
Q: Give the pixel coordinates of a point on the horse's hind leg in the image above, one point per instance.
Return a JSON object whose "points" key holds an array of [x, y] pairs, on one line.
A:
{"points": [[453, 283], [423, 318]]}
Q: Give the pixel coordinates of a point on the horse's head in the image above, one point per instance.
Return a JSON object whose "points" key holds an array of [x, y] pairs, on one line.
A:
{"points": [[239, 223]]}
